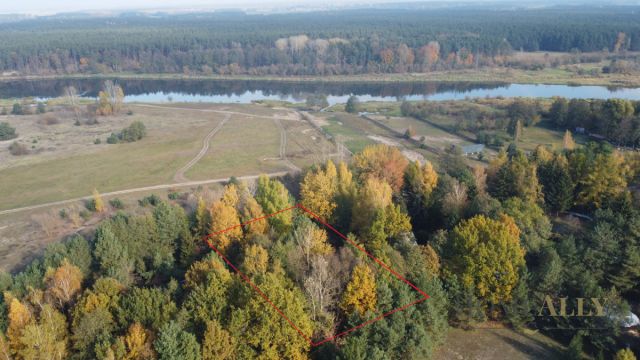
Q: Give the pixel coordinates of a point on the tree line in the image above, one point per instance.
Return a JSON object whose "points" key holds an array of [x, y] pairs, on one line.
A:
{"points": [[319, 43]]}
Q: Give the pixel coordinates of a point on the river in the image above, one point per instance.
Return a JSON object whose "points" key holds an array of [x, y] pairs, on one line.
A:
{"points": [[236, 91]]}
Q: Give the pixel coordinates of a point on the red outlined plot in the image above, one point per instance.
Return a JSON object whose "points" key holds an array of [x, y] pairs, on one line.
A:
{"points": [[308, 212]]}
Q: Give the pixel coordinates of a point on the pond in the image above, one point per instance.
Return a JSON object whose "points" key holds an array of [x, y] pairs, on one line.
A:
{"points": [[236, 91]]}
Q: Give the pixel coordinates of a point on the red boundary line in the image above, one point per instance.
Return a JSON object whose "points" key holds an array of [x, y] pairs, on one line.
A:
{"points": [[266, 298]]}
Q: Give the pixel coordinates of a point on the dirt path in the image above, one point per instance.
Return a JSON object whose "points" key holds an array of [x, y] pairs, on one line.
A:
{"points": [[283, 146], [179, 176], [213, 111], [134, 190]]}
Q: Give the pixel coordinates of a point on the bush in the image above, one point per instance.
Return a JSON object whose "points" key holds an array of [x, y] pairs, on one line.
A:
{"points": [[152, 200], [90, 205], [86, 215], [134, 132], [7, 132], [116, 204], [97, 141], [17, 109], [41, 109], [18, 149], [113, 139]]}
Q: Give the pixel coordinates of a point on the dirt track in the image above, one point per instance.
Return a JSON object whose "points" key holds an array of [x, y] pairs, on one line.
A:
{"points": [[134, 190], [179, 176]]}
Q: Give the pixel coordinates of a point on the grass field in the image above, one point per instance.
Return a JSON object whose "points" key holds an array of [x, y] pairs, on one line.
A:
{"points": [[65, 163], [498, 343], [242, 146]]}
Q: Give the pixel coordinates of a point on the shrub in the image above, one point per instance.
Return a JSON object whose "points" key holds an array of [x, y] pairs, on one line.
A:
{"points": [[116, 204], [134, 132], [17, 109], [113, 139], [86, 215], [41, 109], [152, 200], [97, 141], [7, 132], [18, 149]]}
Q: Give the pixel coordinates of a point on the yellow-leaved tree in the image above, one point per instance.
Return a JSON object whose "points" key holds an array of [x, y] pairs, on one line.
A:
{"points": [[217, 343], [318, 189], [489, 256], [63, 283], [98, 203], [224, 217], [360, 294], [605, 180], [375, 195]]}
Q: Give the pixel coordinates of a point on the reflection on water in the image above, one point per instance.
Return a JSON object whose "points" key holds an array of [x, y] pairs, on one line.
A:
{"points": [[234, 91]]}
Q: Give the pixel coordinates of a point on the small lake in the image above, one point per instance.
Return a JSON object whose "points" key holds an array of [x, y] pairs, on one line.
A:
{"points": [[236, 91]]}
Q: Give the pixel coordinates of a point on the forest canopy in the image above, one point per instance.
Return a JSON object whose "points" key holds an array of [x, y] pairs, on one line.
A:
{"points": [[337, 42]]}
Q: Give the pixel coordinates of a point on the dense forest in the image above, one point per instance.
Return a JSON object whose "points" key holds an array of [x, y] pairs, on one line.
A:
{"points": [[320, 43], [485, 244]]}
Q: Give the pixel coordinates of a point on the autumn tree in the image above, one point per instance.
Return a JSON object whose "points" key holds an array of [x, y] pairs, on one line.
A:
{"points": [[602, 176], [224, 217], [310, 240], [251, 210], [383, 162], [266, 334], [48, 335], [273, 197], [567, 141], [321, 285], [136, 344], [375, 195], [360, 295], [110, 99], [19, 316], [344, 197], [231, 195], [92, 316], [73, 101], [421, 180], [63, 283], [202, 217], [98, 203], [317, 190], [625, 354], [256, 260], [481, 248], [217, 343]]}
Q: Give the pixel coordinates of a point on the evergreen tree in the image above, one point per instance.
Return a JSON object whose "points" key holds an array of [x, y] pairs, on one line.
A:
{"points": [[353, 105], [175, 343]]}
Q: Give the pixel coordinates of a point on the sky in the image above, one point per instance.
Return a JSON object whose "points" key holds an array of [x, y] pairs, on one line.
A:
{"points": [[39, 7]]}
